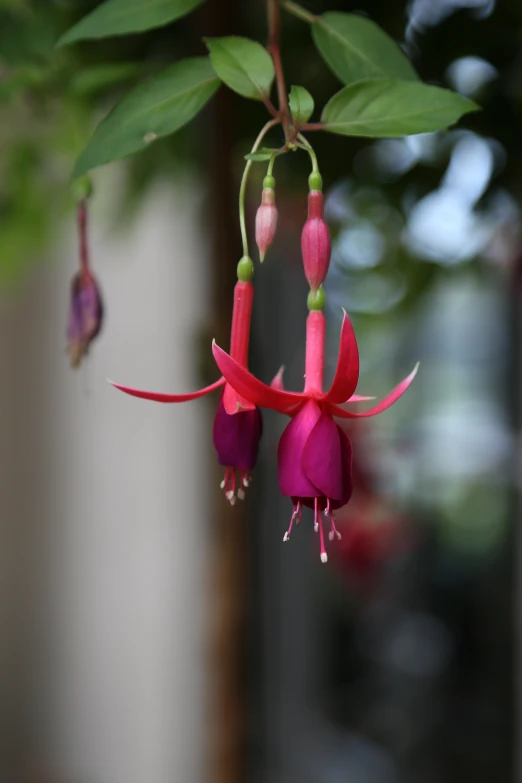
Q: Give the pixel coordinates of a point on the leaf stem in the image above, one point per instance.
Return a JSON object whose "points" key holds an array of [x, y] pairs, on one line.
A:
{"points": [[275, 51], [271, 108], [297, 10], [244, 179], [313, 126]]}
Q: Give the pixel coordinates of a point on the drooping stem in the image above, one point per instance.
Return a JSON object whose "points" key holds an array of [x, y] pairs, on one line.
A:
{"points": [[81, 216], [308, 147], [273, 47], [244, 180]]}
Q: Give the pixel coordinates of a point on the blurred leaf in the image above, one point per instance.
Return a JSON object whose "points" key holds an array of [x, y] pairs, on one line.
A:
{"points": [[119, 17], [244, 65], [391, 107], [260, 155], [26, 37], [301, 105], [153, 109], [355, 48], [92, 79]]}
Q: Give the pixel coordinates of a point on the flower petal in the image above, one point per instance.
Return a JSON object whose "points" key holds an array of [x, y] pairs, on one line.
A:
{"points": [[347, 372], [322, 462], [158, 397], [236, 438], [347, 470], [250, 387], [381, 406], [293, 481], [234, 402], [358, 398]]}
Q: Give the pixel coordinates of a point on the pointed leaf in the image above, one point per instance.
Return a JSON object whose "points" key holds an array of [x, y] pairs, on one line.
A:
{"points": [[391, 107], [120, 17], [153, 109], [355, 48], [159, 397], [261, 155], [244, 65], [301, 105], [381, 406]]}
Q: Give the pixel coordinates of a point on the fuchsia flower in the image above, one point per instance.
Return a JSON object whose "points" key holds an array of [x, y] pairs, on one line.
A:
{"points": [[85, 305], [238, 424], [85, 315], [314, 454]]}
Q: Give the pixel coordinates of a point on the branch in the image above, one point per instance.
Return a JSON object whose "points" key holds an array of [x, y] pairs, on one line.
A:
{"points": [[273, 48]]}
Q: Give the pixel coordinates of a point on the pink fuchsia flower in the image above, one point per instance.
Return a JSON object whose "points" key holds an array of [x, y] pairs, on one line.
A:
{"points": [[266, 217], [238, 423], [315, 242], [314, 454]]}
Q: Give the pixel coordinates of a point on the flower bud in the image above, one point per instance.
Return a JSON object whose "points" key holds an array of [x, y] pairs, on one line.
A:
{"points": [[266, 217], [315, 242], [85, 315]]}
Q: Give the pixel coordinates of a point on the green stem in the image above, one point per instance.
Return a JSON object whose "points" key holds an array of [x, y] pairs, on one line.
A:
{"points": [[300, 12], [244, 179], [271, 165], [305, 144]]}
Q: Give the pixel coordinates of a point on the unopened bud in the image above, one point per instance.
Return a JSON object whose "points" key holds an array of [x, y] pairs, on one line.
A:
{"points": [[85, 315], [315, 242], [266, 217]]}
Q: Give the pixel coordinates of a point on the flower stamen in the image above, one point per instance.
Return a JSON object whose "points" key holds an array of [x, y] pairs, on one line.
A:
{"points": [[333, 528], [318, 523], [296, 517]]}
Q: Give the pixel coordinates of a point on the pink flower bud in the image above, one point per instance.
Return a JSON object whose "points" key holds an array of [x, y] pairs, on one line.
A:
{"points": [[315, 242], [266, 221]]}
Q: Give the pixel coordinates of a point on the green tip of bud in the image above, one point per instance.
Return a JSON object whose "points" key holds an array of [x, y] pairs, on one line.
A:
{"points": [[269, 182], [315, 181], [82, 188], [245, 270], [316, 299]]}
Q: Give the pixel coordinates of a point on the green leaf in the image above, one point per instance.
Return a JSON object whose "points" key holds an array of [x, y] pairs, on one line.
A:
{"points": [[244, 65], [263, 154], [301, 105], [151, 110], [391, 107], [355, 48], [120, 17]]}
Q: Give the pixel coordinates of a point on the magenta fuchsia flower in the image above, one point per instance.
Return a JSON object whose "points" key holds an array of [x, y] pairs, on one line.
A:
{"points": [[238, 424], [314, 454]]}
